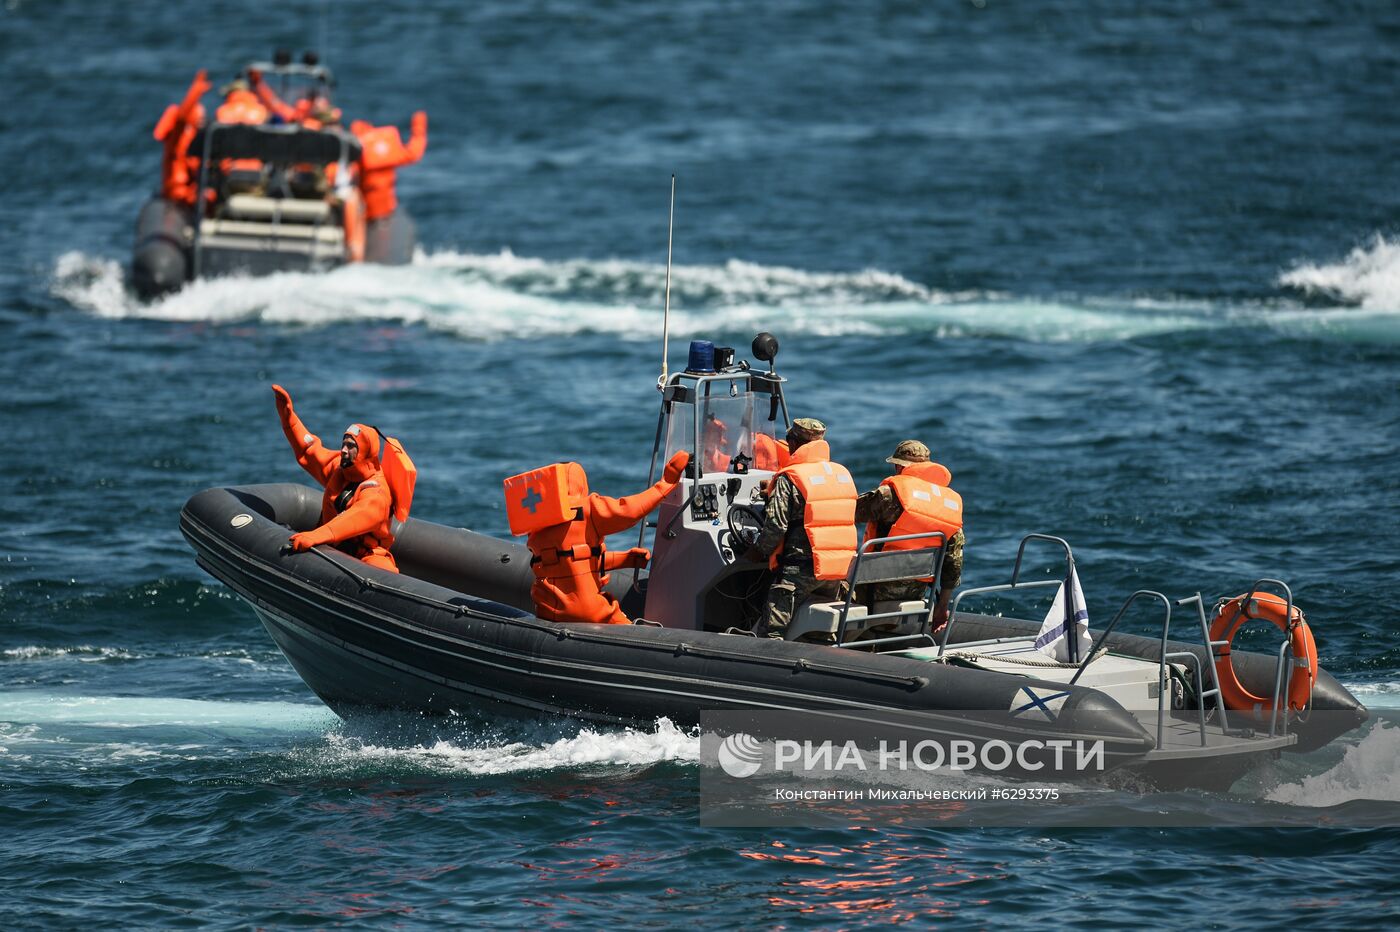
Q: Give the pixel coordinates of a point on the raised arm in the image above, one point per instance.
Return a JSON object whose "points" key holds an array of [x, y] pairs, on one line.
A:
{"points": [[306, 446], [175, 117], [418, 138], [269, 97], [611, 515]]}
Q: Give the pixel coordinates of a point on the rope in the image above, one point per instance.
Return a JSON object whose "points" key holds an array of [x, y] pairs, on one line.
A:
{"points": [[968, 657]]}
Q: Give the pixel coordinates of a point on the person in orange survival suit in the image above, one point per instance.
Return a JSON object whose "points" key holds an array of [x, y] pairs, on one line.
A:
{"points": [[569, 559], [383, 152], [175, 131], [357, 504], [309, 111]]}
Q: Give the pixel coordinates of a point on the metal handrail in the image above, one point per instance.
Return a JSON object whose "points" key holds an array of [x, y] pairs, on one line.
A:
{"points": [[1200, 705], [983, 590], [1014, 584], [1123, 610], [1210, 650], [1021, 551], [1161, 663], [868, 547]]}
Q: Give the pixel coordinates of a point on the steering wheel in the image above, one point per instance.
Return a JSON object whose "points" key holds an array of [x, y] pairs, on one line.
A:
{"points": [[745, 524]]}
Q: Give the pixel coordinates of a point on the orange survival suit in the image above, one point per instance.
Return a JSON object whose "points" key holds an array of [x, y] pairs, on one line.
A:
{"points": [[569, 559], [175, 131], [383, 152], [357, 504]]}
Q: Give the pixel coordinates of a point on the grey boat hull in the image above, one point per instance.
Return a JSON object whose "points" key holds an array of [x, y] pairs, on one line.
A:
{"points": [[162, 259]]}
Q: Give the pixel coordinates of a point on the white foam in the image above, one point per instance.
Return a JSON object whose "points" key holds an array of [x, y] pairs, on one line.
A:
{"points": [[623, 747], [1369, 769], [84, 652], [1377, 695], [500, 296], [504, 296], [1369, 276], [136, 711]]}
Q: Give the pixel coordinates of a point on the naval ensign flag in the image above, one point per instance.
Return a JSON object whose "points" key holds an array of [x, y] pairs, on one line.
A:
{"points": [[1065, 632]]}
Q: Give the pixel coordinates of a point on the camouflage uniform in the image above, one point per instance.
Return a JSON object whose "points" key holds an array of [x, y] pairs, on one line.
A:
{"points": [[795, 580]]}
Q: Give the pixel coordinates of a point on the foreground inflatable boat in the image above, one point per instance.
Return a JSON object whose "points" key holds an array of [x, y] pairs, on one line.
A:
{"points": [[453, 632]]}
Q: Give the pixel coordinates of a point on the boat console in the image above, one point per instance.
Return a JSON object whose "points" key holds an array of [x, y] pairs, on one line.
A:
{"points": [[727, 416]]}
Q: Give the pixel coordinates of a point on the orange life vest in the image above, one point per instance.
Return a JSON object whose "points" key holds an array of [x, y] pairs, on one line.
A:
{"points": [[929, 506], [769, 453], [829, 513], [345, 490], [241, 107]]}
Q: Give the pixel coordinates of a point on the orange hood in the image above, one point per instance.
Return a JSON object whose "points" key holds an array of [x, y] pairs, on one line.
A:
{"points": [[366, 462], [578, 485]]}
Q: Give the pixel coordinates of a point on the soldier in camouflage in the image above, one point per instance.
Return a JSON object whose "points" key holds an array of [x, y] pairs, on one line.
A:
{"points": [[794, 581], [882, 507]]}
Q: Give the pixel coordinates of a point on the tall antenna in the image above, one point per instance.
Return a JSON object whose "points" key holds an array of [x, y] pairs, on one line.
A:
{"points": [[323, 33], [666, 315]]}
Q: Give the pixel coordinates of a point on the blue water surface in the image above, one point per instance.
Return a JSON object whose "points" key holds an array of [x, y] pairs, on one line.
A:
{"points": [[1129, 269]]}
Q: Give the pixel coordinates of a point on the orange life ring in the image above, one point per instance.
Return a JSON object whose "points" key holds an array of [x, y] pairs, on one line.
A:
{"points": [[1264, 606]]}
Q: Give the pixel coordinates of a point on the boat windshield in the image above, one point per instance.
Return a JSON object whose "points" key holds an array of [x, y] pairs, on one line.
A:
{"points": [[727, 432]]}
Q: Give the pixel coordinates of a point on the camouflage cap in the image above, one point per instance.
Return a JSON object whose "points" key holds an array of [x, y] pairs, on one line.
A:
{"points": [[808, 428], [908, 453]]}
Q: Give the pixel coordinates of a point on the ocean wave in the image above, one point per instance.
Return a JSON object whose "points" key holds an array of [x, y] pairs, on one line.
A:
{"points": [[34, 708], [503, 296], [1369, 277], [1366, 771], [1384, 695], [83, 652]]}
